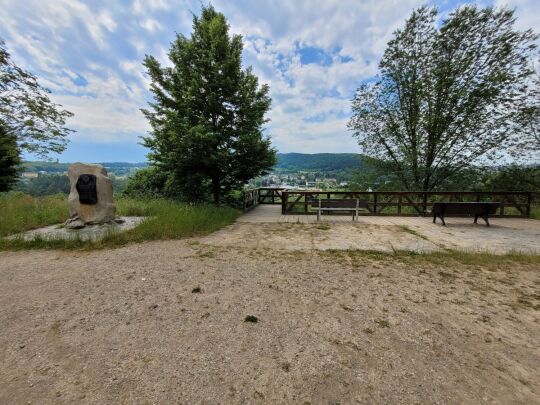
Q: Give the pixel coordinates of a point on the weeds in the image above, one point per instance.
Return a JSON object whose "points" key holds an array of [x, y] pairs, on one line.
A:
{"points": [[383, 323], [406, 229]]}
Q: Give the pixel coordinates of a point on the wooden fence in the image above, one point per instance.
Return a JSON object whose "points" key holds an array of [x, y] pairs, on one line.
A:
{"points": [[269, 195], [405, 203], [250, 199]]}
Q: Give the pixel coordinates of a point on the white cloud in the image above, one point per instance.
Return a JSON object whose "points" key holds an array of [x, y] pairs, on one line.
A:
{"points": [[150, 24]]}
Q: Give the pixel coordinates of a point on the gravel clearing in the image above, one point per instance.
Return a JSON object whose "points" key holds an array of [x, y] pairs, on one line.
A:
{"points": [[165, 322]]}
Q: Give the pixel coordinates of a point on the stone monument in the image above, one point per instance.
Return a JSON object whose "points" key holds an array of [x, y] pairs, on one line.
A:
{"points": [[90, 200]]}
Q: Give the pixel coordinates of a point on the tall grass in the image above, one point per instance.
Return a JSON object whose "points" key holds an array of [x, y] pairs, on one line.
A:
{"points": [[165, 220], [20, 212]]}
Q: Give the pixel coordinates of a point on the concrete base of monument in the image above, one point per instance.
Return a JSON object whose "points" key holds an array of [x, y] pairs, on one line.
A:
{"points": [[89, 232]]}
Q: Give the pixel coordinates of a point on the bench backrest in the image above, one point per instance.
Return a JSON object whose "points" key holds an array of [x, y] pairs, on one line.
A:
{"points": [[339, 203], [465, 208]]}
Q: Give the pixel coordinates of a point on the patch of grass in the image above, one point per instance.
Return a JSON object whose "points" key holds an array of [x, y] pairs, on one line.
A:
{"points": [[20, 212], [535, 211], [383, 323], [166, 219], [406, 229], [447, 276], [196, 290], [443, 258], [251, 318], [322, 227]]}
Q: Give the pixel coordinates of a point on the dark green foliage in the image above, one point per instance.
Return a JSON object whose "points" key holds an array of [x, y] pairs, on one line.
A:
{"points": [[324, 162], [207, 114], [26, 111], [516, 178], [44, 184], [147, 182], [9, 160], [449, 95], [251, 318]]}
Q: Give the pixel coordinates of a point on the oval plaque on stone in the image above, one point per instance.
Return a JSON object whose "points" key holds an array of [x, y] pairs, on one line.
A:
{"points": [[86, 187]]}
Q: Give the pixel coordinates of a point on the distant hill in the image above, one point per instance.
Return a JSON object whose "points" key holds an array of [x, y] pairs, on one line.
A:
{"points": [[118, 168], [287, 162], [325, 162]]}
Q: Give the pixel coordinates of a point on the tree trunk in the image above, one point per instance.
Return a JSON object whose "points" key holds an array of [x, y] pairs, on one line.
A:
{"points": [[216, 190]]}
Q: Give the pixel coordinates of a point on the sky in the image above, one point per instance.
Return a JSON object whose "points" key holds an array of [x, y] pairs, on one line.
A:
{"points": [[312, 54]]}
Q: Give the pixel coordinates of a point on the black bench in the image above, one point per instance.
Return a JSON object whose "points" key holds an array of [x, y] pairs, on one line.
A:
{"points": [[353, 205], [478, 209]]}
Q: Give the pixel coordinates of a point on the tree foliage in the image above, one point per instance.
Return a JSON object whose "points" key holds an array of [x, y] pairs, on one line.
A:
{"points": [[26, 111], [9, 160], [448, 95], [207, 114]]}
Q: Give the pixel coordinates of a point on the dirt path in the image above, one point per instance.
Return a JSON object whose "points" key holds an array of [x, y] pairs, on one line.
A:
{"points": [[123, 326]]}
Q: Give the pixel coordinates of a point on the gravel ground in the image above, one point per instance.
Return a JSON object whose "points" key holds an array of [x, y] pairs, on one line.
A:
{"points": [[164, 322]]}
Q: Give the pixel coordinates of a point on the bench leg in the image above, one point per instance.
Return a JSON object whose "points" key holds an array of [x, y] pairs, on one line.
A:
{"points": [[318, 215], [434, 218], [476, 219]]}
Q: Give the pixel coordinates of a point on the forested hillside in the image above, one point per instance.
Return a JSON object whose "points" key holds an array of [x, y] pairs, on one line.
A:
{"points": [[324, 162]]}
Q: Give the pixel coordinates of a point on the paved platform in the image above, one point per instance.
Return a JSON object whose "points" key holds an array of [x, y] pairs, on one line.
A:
{"points": [[505, 235]]}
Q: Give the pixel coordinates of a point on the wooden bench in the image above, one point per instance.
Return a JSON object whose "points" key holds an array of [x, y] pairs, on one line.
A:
{"points": [[353, 205], [478, 209]]}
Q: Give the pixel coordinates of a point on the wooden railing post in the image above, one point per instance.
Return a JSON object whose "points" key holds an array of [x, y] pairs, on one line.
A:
{"points": [[529, 202], [284, 199], [375, 203]]}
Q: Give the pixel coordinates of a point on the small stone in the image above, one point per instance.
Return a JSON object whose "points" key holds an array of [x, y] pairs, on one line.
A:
{"points": [[74, 223], [22, 346]]}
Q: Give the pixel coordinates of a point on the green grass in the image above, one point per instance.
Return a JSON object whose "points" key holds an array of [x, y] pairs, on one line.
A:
{"points": [[20, 212], [165, 220], [535, 211]]}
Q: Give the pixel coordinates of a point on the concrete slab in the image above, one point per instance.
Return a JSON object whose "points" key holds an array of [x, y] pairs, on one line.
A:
{"points": [[90, 232]]}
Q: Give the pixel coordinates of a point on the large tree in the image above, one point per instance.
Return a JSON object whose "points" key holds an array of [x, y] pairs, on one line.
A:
{"points": [[27, 112], [207, 114], [29, 120], [449, 94]]}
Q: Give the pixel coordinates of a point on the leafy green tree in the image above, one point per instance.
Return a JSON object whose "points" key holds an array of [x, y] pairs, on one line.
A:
{"points": [[29, 121], [448, 95], [147, 183], [27, 112], [207, 114], [527, 145], [9, 160]]}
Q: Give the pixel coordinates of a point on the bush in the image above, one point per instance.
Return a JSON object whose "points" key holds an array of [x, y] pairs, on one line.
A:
{"points": [[147, 183]]}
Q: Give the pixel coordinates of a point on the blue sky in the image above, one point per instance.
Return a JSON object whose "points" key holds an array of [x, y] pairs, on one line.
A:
{"points": [[313, 54]]}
